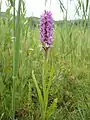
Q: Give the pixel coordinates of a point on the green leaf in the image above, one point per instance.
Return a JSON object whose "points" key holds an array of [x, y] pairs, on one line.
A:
{"points": [[1, 116], [11, 2], [46, 90], [81, 115], [52, 108], [87, 4], [51, 78], [38, 89], [1, 86]]}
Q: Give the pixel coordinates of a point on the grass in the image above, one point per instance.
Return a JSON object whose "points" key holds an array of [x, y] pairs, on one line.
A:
{"points": [[70, 58]]}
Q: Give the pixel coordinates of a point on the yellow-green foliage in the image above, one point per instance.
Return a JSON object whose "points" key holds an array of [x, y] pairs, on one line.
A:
{"points": [[70, 59]]}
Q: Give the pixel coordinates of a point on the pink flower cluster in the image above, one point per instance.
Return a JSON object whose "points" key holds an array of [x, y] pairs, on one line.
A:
{"points": [[46, 29]]}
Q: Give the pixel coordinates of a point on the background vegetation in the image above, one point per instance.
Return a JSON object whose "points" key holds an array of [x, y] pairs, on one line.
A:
{"points": [[69, 56]]}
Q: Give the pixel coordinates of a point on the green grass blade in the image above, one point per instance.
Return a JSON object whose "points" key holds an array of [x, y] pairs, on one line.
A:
{"points": [[38, 89], [51, 78], [81, 115], [52, 108], [46, 92], [39, 96], [87, 4], [16, 30]]}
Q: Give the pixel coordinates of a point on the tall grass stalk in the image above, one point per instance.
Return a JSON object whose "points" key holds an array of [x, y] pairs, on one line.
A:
{"points": [[0, 12], [0, 6], [16, 47]]}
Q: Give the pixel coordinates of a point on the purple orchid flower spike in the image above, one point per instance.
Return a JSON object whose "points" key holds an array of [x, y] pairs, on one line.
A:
{"points": [[46, 30]]}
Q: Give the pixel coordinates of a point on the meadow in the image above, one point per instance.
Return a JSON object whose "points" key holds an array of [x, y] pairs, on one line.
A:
{"points": [[21, 65]]}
